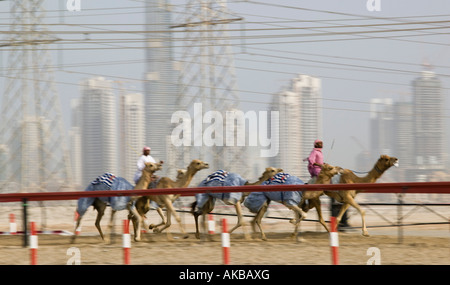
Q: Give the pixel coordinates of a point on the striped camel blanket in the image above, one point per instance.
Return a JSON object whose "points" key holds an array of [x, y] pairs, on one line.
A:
{"points": [[220, 178], [256, 200], [106, 181]]}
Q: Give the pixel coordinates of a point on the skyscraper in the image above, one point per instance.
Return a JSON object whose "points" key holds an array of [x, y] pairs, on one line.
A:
{"points": [[161, 79], [300, 123], [413, 130], [98, 128], [429, 135], [132, 137], [382, 126]]}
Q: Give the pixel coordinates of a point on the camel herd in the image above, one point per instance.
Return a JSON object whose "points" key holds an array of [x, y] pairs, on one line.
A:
{"points": [[299, 202]]}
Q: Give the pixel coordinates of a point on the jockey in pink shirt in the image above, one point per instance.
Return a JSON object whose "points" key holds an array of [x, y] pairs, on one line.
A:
{"points": [[315, 159]]}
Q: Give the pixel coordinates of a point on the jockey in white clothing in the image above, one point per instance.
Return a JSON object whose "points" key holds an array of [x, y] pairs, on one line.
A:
{"points": [[145, 157]]}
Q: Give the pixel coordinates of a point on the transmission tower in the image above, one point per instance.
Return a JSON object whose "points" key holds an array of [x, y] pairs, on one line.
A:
{"points": [[33, 151], [207, 75]]}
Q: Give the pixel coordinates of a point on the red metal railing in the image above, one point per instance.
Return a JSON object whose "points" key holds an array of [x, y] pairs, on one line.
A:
{"points": [[401, 187]]}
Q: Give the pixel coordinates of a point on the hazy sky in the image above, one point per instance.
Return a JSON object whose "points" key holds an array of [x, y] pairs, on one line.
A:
{"points": [[354, 67]]}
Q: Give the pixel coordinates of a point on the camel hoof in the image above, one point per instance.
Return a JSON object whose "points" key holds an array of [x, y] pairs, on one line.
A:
{"points": [[137, 239], [300, 239], [365, 234], [304, 215]]}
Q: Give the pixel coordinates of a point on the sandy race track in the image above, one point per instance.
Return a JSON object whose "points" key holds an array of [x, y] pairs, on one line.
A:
{"points": [[279, 249]]}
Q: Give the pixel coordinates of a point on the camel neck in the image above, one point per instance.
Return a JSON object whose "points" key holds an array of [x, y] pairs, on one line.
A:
{"points": [[259, 182], [323, 179], [374, 174], [144, 181]]}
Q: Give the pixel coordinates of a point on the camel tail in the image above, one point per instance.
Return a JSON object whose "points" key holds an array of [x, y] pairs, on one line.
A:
{"points": [[193, 205]]}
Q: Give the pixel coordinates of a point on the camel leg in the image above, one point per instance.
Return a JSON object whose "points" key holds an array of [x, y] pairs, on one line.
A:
{"points": [[316, 204], [163, 222], [170, 211], [299, 216], [100, 207], [197, 232], [76, 227], [110, 226], [240, 220], [349, 201], [258, 218], [136, 219]]}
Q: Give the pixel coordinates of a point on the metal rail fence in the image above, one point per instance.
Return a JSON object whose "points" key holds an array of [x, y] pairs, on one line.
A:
{"points": [[399, 188]]}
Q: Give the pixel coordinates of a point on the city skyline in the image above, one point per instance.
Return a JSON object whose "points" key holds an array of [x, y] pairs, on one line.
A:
{"points": [[368, 57]]}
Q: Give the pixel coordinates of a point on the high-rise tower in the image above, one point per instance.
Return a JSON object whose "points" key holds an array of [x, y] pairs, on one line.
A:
{"points": [[98, 128], [428, 111], [300, 123], [161, 80]]}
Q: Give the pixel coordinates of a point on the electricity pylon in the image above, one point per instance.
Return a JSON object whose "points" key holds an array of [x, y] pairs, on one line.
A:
{"points": [[33, 156], [207, 75]]}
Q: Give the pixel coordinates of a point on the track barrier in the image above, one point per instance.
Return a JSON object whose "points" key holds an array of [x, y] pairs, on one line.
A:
{"points": [[399, 188], [334, 242], [225, 243], [33, 243], [12, 224], [211, 224], [126, 242]]}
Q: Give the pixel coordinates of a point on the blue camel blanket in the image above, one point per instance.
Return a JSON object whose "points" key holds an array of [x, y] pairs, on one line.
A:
{"points": [[220, 178], [107, 181], [256, 200]]}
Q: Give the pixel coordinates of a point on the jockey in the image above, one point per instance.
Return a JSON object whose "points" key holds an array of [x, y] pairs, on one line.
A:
{"points": [[315, 159], [145, 157]]}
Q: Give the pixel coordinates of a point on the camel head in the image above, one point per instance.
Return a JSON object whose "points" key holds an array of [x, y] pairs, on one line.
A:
{"points": [[269, 173], [330, 170], [386, 161], [152, 167], [197, 165]]}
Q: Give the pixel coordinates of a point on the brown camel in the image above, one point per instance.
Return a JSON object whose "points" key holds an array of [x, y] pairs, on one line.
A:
{"points": [[100, 206], [166, 200], [347, 197], [180, 174], [209, 205], [326, 173], [147, 174]]}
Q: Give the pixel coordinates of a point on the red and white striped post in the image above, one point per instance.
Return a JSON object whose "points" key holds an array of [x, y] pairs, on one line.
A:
{"points": [[211, 225], [225, 243], [12, 224], [126, 242], [33, 243], [334, 242]]}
